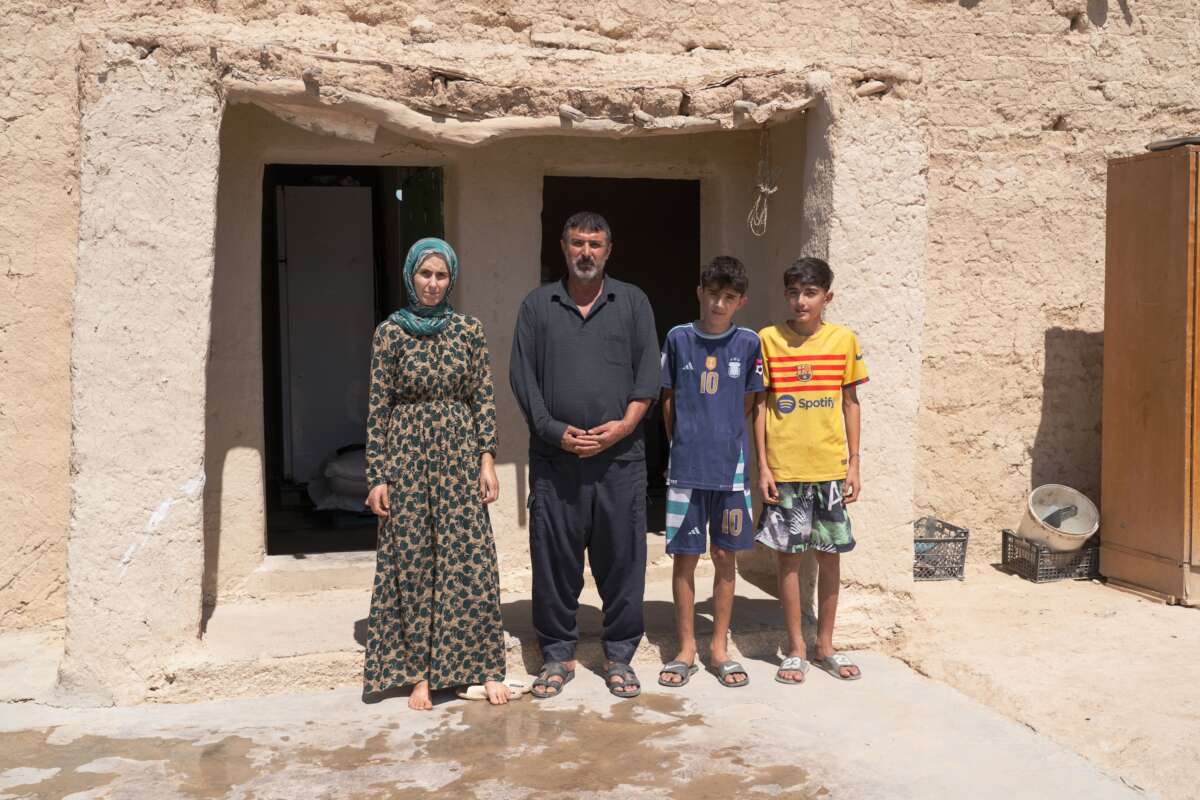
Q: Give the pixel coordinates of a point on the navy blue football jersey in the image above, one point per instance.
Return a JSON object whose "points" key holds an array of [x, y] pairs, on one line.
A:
{"points": [[710, 377]]}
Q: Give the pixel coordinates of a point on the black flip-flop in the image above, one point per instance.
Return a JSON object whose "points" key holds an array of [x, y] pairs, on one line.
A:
{"points": [[627, 675], [552, 669], [683, 670]]}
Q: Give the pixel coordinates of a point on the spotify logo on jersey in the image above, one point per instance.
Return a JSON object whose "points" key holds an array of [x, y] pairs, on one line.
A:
{"points": [[787, 404]]}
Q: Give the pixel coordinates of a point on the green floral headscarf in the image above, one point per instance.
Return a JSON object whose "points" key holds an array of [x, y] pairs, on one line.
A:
{"points": [[417, 319]]}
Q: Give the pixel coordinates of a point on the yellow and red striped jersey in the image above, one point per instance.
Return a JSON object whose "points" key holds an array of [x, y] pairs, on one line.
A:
{"points": [[806, 433]]}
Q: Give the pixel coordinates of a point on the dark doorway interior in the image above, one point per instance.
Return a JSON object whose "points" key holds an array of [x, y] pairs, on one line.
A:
{"points": [[334, 239], [656, 246]]}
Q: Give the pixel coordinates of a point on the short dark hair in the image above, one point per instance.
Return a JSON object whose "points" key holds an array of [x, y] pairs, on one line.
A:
{"points": [[588, 222], [808, 271], [725, 272]]}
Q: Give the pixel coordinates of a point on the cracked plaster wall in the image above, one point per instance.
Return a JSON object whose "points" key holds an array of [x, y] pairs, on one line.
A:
{"points": [[864, 211], [1021, 103], [876, 243], [39, 140], [141, 338]]}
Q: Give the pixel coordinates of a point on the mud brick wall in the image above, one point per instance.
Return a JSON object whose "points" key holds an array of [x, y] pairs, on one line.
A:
{"points": [[1019, 104]]}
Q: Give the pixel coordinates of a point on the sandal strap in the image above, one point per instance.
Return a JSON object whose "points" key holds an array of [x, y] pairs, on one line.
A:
{"points": [[794, 664], [622, 671], [675, 668], [730, 668], [553, 669]]}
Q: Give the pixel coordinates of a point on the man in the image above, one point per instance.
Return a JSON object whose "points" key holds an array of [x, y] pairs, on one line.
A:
{"points": [[584, 370]]}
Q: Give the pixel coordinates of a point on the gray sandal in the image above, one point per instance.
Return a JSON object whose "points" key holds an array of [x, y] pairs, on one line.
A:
{"points": [[627, 676], [684, 671], [727, 668], [834, 663], [551, 669], [792, 664]]}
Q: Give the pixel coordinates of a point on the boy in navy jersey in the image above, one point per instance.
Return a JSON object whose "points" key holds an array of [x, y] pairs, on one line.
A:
{"points": [[711, 370]]}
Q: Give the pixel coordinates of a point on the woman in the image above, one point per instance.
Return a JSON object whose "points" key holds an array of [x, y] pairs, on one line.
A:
{"points": [[431, 441]]}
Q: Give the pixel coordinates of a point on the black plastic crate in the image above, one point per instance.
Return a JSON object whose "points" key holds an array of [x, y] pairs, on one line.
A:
{"points": [[939, 550], [1039, 564]]}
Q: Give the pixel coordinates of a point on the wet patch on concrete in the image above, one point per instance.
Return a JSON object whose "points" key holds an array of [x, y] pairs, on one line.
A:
{"points": [[638, 748], [91, 763], [653, 747]]}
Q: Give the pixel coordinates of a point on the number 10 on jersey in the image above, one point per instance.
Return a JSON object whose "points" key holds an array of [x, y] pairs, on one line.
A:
{"points": [[708, 381]]}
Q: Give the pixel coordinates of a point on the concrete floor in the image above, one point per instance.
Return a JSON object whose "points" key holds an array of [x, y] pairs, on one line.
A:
{"points": [[893, 734], [294, 642], [1105, 673]]}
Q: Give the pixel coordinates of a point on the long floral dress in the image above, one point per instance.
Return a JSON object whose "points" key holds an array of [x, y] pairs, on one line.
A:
{"points": [[435, 609]]}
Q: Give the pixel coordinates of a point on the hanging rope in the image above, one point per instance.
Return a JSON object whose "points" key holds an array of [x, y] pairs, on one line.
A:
{"points": [[757, 218]]}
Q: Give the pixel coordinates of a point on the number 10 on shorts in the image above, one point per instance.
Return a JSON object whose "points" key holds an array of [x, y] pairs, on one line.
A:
{"points": [[731, 522]]}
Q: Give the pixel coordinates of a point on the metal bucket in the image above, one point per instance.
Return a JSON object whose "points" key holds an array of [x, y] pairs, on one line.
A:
{"points": [[1059, 518]]}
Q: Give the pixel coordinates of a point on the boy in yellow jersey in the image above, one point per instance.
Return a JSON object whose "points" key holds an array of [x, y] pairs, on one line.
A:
{"points": [[806, 429]]}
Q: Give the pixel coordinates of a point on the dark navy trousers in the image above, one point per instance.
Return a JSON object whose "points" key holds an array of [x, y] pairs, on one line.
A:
{"points": [[597, 505]]}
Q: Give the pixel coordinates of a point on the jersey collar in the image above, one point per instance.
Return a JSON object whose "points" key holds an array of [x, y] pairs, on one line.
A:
{"points": [[703, 335]]}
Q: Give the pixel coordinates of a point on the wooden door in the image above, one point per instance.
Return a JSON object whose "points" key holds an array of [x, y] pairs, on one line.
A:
{"points": [[1149, 345], [1193, 248], [656, 237]]}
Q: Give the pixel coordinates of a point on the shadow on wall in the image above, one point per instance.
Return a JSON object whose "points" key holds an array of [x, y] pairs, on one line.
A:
{"points": [[232, 416], [1097, 11], [1066, 449]]}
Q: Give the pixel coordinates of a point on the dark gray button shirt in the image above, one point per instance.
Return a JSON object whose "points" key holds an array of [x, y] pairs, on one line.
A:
{"points": [[567, 370]]}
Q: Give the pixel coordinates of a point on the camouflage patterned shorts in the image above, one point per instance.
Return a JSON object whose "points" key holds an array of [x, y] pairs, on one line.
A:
{"points": [[809, 515]]}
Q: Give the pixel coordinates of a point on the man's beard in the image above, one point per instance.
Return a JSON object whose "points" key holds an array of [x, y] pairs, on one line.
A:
{"points": [[586, 269]]}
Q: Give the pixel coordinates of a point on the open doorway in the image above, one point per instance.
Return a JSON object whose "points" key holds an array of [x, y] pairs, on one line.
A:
{"points": [[656, 246], [334, 239]]}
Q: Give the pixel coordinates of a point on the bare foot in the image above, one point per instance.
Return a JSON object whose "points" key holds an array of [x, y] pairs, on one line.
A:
{"points": [[419, 699], [688, 656], [497, 693]]}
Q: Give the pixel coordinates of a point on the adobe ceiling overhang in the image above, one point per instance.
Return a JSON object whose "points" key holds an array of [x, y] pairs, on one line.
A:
{"points": [[471, 94]]}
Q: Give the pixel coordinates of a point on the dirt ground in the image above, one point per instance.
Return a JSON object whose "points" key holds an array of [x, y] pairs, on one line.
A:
{"points": [[1107, 674]]}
